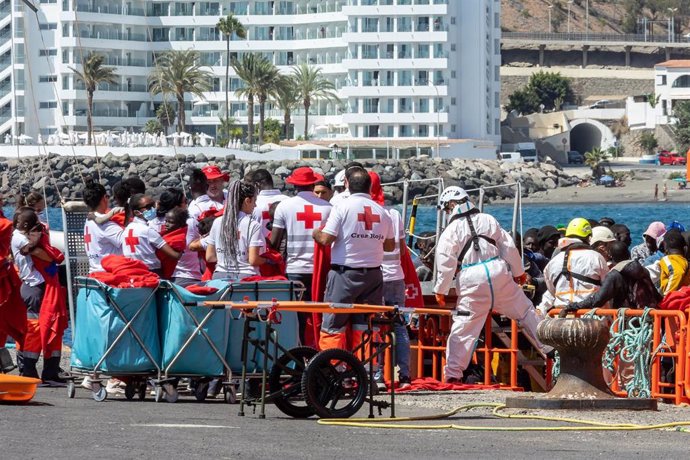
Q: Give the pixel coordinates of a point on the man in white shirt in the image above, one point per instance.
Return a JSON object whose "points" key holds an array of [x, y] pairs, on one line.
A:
{"points": [[268, 195], [101, 239], [215, 193], [296, 218], [360, 231], [340, 184], [140, 241]]}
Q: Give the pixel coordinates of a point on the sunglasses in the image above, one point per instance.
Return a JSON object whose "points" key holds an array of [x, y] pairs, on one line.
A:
{"points": [[148, 206]]}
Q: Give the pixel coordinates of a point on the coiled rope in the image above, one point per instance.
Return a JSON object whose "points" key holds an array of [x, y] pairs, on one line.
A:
{"points": [[630, 342]]}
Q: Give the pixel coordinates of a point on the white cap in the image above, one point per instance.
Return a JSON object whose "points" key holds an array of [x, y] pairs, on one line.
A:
{"points": [[339, 180], [601, 234]]}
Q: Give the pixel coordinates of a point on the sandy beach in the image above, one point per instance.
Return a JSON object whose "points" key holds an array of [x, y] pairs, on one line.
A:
{"points": [[638, 189]]}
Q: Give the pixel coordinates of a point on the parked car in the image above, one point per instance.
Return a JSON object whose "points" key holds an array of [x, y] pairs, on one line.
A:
{"points": [[671, 158], [600, 104], [576, 158], [512, 157]]}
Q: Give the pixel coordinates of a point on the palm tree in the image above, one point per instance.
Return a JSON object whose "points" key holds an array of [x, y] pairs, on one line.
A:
{"points": [[228, 26], [312, 86], [177, 73], [595, 159], [92, 74], [287, 99], [259, 76], [267, 77]]}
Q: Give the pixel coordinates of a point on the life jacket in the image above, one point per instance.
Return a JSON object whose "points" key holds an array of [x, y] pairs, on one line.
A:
{"points": [[473, 242], [565, 271]]}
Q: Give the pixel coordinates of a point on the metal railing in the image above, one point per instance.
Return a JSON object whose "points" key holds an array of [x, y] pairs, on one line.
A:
{"points": [[595, 37]]}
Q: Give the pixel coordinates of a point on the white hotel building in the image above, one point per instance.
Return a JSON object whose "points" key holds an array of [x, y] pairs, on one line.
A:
{"points": [[418, 69]]}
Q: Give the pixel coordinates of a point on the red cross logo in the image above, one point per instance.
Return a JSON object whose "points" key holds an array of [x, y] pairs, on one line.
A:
{"points": [[411, 291], [308, 216], [87, 238], [369, 218], [131, 241]]}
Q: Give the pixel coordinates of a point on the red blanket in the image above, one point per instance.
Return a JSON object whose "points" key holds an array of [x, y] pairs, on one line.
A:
{"points": [[429, 384], [201, 290], [177, 239], [277, 265], [122, 272], [12, 308], [257, 278], [52, 320], [676, 300], [413, 289], [322, 264], [119, 219]]}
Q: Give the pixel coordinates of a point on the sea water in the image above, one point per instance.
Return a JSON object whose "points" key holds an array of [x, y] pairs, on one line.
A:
{"points": [[637, 216]]}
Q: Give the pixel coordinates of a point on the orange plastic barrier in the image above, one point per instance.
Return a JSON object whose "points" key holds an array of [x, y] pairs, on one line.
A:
{"points": [[433, 332], [669, 340]]}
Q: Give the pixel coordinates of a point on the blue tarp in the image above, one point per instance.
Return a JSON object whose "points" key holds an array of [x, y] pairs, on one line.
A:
{"points": [[98, 324], [176, 326], [288, 330]]}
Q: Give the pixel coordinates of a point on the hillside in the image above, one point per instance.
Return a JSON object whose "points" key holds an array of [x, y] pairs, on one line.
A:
{"points": [[605, 16]]}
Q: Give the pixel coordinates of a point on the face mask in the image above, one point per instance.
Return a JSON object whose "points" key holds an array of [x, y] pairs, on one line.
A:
{"points": [[149, 214]]}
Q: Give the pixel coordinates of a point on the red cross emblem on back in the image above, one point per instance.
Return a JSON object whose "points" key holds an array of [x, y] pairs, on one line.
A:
{"points": [[87, 238], [131, 241], [265, 215], [369, 218], [308, 216]]}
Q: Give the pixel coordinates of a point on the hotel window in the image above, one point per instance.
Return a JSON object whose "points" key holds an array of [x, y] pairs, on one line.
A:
{"points": [[47, 52], [422, 51], [48, 105], [405, 24], [47, 78]]}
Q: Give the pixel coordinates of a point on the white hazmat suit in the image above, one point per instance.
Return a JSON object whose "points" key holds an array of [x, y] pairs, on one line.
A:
{"points": [[484, 283]]}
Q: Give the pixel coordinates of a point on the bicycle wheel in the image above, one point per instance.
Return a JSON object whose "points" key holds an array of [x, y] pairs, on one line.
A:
{"points": [[334, 384], [285, 382]]}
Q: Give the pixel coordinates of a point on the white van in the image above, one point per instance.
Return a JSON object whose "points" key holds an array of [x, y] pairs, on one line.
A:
{"points": [[512, 157]]}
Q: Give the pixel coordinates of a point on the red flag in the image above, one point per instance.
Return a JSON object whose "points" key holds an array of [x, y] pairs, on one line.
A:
{"points": [[322, 264], [413, 289]]}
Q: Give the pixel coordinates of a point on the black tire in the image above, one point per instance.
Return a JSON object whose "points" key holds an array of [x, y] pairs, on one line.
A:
{"points": [[130, 391], [141, 390], [335, 376], [285, 382], [201, 391], [71, 389]]}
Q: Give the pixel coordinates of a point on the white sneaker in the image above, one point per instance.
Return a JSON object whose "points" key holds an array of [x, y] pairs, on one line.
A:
{"points": [[113, 388], [87, 383]]}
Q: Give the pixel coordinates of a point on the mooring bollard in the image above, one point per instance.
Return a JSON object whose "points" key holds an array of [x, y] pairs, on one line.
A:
{"points": [[580, 343]]}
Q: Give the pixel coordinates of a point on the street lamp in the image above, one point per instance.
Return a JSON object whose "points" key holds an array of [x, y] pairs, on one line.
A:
{"points": [[550, 22], [570, 2], [672, 25]]}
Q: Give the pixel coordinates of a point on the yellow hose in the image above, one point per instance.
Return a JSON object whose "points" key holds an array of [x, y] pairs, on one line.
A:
{"points": [[590, 425]]}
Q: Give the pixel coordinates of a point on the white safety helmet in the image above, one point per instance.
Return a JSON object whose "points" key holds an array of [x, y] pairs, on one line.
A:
{"points": [[457, 194], [339, 180]]}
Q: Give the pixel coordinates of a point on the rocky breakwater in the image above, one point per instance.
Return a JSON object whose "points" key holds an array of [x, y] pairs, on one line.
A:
{"points": [[62, 176]]}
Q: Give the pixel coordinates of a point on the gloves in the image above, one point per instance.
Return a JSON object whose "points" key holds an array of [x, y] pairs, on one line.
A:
{"points": [[570, 308], [441, 300], [522, 279]]}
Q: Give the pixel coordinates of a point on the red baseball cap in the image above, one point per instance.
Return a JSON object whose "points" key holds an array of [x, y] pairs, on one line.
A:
{"points": [[213, 172], [376, 191], [303, 176]]}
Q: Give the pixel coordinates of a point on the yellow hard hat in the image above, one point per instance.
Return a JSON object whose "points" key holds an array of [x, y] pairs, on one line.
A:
{"points": [[579, 227]]}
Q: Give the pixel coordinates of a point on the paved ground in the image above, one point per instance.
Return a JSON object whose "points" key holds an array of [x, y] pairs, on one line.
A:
{"points": [[54, 426]]}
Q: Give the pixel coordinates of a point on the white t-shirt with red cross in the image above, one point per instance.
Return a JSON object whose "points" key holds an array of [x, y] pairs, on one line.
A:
{"points": [[141, 241], [360, 226], [189, 265], [299, 216], [264, 200], [202, 204], [25, 264], [249, 236], [391, 266], [101, 240]]}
